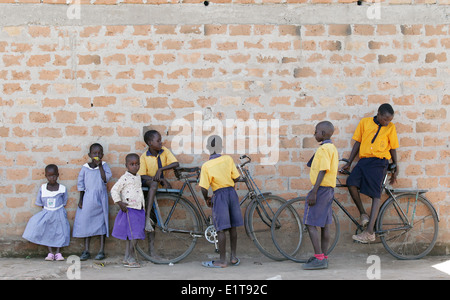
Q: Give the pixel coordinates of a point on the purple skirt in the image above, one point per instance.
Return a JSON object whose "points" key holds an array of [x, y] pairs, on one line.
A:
{"points": [[121, 228]]}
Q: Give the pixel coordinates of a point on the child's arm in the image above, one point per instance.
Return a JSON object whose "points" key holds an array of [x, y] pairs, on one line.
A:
{"points": [[393, 178], [80, 202], [311, 198], [205, 196], [159, 172], [355, 151]]}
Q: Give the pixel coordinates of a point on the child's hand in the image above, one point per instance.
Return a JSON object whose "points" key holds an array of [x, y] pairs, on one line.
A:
{"points": [[157, 176], [311, 199], [165, 183], [123, 206], [393, 178], [209, 202]]}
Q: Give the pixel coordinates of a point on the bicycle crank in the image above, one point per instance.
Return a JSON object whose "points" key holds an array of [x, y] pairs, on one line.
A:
{"points": [[211, 236]]}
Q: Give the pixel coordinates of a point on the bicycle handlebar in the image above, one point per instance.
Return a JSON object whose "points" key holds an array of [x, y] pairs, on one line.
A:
{"points": [[245, 162]]}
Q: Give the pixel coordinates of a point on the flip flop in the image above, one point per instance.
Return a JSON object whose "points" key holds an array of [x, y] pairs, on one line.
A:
{"points": [[210, 264], [236, 263], [132, 265]]}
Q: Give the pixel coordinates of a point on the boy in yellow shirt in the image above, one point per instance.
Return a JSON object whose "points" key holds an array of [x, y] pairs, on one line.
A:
{"points": [[376, 142], [318, 213], [221, 173], [152, 165]]}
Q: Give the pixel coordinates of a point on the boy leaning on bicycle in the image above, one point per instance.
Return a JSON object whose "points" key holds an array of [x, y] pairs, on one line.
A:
{"points": [[376, 142]]}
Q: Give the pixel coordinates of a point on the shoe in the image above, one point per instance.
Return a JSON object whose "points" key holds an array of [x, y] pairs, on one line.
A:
{"points": [[50, 257], [149, 225], [59, 257], [315, 264], [85, 255], [100, 256], [364, 237]]}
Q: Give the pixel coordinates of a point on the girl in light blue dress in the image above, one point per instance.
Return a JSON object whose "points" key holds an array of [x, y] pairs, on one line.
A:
{"points": [[50, 226], [91, 218]]}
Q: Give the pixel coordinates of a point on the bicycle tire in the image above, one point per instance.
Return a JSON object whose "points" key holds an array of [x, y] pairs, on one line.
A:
{"points": [[289, 248], [170, 246], [259, 221], [406, 244]]}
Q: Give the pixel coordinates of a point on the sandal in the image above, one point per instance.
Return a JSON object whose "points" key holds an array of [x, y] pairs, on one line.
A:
{"points": [[132, 264], [235, 263], [210, 264]]}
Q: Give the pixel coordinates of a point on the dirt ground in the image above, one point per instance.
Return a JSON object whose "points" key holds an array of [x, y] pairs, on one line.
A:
{"points": [[347, 262]]}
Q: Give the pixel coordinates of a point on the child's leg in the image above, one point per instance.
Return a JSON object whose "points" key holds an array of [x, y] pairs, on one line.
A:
{"points": [[354, 193], [87, 243], [315, 240], [127, 250], [222, 241], [233, 244], [373, 214], [153, 187], [325, 239], [102, 243]]}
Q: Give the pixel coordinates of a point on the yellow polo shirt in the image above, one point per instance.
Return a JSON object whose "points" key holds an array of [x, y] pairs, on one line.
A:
{"points": [[385, 141], [149, 163], [326, 159], [218, 173]]}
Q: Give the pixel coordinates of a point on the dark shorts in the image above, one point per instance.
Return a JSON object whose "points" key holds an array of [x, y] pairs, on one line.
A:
{"points": [[226, 209], [135, 218], [368, 175], [320, 214]]}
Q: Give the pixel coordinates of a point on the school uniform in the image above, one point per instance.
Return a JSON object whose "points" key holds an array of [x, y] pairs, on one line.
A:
{"points": [[150, 163], [326, 159], [376, 141], [129, 225], [93, 218], [49, 227], [218, 173]]}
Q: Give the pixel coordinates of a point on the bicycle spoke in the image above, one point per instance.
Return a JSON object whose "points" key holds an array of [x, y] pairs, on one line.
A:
{"points": [[408, 226]]}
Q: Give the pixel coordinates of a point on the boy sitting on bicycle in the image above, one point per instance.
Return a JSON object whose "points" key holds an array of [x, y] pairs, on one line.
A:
{"points": [[152, 165], [221, 173], [376, 141], [318, 213]]}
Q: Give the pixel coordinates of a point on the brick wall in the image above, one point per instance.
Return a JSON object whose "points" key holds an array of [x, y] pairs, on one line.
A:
{"points": [[65, 87]]}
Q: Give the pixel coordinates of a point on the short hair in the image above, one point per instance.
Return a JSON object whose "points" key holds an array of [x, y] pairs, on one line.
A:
{"points": [[95, 145], [148, 136], [385, 108], [52, 167], [214, 144], [327, 125], [130, 155]]}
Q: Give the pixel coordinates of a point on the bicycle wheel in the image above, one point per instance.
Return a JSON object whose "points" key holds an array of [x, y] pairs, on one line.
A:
{"points": [[288, 244], [176, 241], [287, 229], [259, 221], [412, 238]]}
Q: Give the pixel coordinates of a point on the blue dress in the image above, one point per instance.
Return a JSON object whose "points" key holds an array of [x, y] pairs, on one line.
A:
{"points": [[50, 226], [92, 219]]}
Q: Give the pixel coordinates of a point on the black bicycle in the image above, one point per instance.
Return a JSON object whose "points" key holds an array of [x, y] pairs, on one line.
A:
{"points": [[179, 222], [407, 225]]}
